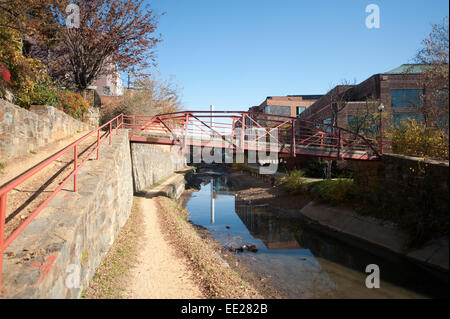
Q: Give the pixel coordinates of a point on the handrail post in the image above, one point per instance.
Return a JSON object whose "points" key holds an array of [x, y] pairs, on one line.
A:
{"points": [[232, 129], [110, 129], [2, 233], [117, 125], [186, 125], [75, 164], [98, 144]]}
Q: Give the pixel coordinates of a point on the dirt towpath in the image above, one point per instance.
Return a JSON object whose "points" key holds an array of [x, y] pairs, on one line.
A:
{"points": [[161, 272]]}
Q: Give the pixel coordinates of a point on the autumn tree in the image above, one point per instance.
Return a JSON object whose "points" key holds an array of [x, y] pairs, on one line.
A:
{"points": [[30, 17], [18, 73], [434, 54], [111, 32]]}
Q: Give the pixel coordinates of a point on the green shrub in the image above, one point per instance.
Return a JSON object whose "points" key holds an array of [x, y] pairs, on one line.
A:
{"points": [[295, 183], [44, 94], [334, 191]]}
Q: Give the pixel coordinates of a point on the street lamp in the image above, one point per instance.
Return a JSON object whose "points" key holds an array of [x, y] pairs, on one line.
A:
{"points": [[381, 109]]}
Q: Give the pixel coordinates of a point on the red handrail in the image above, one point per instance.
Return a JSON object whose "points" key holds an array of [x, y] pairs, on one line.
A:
{"points": [[344, 140], [4, 243]]}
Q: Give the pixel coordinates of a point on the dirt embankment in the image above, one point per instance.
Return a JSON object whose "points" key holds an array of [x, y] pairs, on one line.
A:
{"points": [[160, 254]]}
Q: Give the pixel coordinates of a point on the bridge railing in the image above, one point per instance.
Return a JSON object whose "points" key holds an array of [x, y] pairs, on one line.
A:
{"points": [[292, 135], [103, 134]]}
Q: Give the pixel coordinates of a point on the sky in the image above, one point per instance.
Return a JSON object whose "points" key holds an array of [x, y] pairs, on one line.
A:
{"points": [[235, 53]]}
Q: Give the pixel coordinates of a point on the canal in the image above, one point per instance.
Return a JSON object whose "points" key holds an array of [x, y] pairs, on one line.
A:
{"points": [[298, 260]]}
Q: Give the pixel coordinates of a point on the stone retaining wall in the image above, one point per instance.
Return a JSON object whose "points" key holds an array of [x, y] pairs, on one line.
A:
{"points": [[22, 131], [66, 242], [409, 181], [153, 163]]}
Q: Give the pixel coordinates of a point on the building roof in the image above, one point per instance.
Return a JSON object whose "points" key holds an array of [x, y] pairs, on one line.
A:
{"points": [[304, 97], [408, 69], [308, 97]]}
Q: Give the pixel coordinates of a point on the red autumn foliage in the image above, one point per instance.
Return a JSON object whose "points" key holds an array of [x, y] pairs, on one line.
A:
{"points": [[5, 74], [112, 34]]}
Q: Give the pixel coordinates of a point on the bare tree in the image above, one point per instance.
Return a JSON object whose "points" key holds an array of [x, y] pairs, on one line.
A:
{"points": [[434, 79], [366, 119], [337, 98], [150, 95]]}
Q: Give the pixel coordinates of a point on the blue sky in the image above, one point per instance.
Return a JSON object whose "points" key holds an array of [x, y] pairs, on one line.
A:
{"points": [[234, 53]]}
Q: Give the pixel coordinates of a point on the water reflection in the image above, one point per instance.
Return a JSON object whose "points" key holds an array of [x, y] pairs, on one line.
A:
{"points": [[299, 261]]}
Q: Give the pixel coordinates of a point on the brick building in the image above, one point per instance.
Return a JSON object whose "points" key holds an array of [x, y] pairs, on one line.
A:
{"points": [[398, 90], [291, 105]]}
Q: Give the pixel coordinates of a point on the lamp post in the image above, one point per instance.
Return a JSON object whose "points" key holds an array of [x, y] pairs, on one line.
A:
{"points": [[381, 109]]}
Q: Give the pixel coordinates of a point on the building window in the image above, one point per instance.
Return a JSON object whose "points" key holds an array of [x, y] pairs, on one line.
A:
{"points": [[406, 98], [398, 118], [107, 90], [278, 110], [300, 110], [327, 123]]}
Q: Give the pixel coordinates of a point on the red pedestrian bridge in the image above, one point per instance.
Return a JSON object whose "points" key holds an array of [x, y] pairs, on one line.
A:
{"points": [[235, 131], [244, 131]]}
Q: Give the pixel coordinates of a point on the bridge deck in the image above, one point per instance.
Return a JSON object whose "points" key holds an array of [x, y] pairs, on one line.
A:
{"points": [[328, 152]]}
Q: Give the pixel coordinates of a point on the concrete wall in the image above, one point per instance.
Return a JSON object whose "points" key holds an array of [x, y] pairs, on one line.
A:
{"points": [[69, 238], [152, 163], [22, 131]]}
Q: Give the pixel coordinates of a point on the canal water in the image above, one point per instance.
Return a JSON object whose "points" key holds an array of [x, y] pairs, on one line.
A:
{"points": [[299, 261]]}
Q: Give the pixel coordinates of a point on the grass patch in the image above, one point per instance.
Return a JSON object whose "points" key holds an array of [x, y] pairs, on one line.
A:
{"points": [[295, 183], [332, 191], [2, 165], [110, 279]]}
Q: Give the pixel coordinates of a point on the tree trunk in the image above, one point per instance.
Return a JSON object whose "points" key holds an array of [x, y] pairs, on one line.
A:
{"points": [[329, 169]]}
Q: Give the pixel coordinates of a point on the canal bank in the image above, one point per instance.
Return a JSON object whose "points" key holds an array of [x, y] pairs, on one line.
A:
{"points": [[312, 261], [167, 256], [344, 221]]}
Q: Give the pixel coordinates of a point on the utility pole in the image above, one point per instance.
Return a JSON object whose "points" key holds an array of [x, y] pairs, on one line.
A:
{"points": [[212, 202], [211, 120]]}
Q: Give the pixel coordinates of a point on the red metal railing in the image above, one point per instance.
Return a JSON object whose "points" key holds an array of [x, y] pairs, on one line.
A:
{"points": [[108, 128], [292, 135]]}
